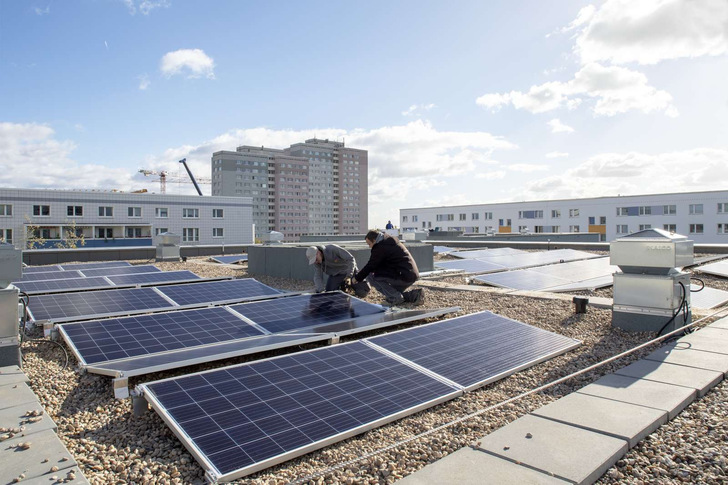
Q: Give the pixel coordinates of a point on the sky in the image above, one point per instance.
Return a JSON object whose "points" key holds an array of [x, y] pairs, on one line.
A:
{"points": [[457, 102]]}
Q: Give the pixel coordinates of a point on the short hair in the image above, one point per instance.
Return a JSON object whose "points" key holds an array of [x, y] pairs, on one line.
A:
{"points": [[372, 235]]}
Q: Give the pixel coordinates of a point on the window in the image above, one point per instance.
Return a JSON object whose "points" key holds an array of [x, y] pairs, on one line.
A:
{"points": [[622, 211], [104, 232], [132, 232], [488, 216], [695, 209], [6, 210], [445, 217], [475, 216], [217, 213], [6, 235], [405, 219], [42, 210], [190, 234], [670, 227], [669, 210], [722, 207], [722, 228], [160, 230], [218, 232], [106, 212], [161, 212], [504, 222], [191, 213], [574, 228], [414, 218], [74, 210], [574, 213], [134, 211], [603, 220], [592, 220], [622, 229], [645, 226], [522, 228], [696, 228], [645, 210], [555, 214], [462, 217]]}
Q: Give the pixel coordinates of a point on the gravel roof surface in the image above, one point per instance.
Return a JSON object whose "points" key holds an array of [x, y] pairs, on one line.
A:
{"points": [[113, 446]]}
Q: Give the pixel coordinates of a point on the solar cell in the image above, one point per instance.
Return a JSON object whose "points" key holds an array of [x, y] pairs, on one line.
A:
{"points": [[474, 350], [216, 291], [244, 418], [40, 269], [719, 269], [45, 286], [486, 253], [149, 278], [470, 266], [298, 312], [50, 275], [146, 268], [708, 297], [101, 264], [230, 259]]}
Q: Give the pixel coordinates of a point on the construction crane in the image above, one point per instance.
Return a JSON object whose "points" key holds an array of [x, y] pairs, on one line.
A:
{"points": [[164, 177]]}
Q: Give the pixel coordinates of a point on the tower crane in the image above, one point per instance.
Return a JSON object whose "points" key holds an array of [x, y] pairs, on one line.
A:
{"points": [[164, 177]]}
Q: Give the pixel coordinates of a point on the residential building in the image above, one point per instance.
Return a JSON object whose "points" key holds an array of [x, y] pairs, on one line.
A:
{"points": [[318, 187], [702, 216], [109, 219]]}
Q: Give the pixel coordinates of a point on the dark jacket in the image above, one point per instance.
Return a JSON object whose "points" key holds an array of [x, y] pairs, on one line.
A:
{"points": [[390, 259]]}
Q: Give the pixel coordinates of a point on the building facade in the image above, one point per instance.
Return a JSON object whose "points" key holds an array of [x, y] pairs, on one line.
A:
{"points": [[108, 219], [702, 216], [318, 187]]}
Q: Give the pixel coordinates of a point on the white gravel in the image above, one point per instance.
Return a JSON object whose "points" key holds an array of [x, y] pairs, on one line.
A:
{"points": [[113, 446]]}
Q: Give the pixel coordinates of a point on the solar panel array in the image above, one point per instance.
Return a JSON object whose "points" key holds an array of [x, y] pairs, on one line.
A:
{"points": [[501, 259], [49, 275], [148, 278], [144, 268], [230, 259], [46, 286], [241, 419], [102, 264], [473, 266], [486, 253], [196, 293]]}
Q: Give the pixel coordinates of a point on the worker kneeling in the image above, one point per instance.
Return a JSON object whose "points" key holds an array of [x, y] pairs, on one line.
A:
{"points": [[338, 264], [391, 270]]}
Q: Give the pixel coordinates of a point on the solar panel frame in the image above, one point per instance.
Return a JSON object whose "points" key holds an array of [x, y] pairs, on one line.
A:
{"points": [[94, 265], [50, 275], [121, 270], [265, 423], [151, 278], [63, 286], [194, 295]]}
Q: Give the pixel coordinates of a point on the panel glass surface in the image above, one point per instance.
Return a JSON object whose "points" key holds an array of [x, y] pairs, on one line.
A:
{"points": [[40, 269], [146, 268], [470, 266], [100, 264], [527, 260], [76, 305], [148, 278], [579, 270], [32, 287], [50, 275], [230, 259], [217, 291], [120, 338], [247, 415], [486, 253], [521, 280], [719, 269], [475, 349], [590, 284], [297, 312]]}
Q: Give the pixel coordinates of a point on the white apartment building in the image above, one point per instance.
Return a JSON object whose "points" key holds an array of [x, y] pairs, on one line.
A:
{"points": [[702, 216], [114, 219]]}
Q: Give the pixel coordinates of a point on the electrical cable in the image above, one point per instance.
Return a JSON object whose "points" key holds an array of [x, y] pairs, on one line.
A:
{"points": [[24, 338], [353, 461], [683, 303]]}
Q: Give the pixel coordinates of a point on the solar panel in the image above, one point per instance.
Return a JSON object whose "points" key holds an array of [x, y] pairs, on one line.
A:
{"points": [[441, 249], [244, 418], [121, 338], [229, 259], [40, 269], [719, 269], [147, 268], [470, 266], [50, 275], [218, 291], [527, 260], [148, 278], [521, 280], [589, 284], [297, 312], [70, 306], [101, 264], [46, 286], [708, 298], [474, 350], [579, 270], [486, 253]]}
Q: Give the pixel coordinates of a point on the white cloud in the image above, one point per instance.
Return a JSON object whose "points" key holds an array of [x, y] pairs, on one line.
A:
{"points": [[145, 6], [527, 167], [42, 11], [558, 127], [557, 155], [417, 109], [144, 82], [649, 31], [615, 89], [193, 61], [491, 175]]}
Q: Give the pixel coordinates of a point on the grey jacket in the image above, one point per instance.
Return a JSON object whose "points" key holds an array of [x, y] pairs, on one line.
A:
{"points": [[336, 261]]}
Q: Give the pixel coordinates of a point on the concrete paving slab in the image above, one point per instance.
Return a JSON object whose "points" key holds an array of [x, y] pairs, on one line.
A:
{"points": [[708, 339], [685, 354], [568, 452], [701, 380], [18, 416], [621, 420], [45, 451], [12, 374], [63, 475], [641, 392], [722, 323], [468, 466], [15, 395]]}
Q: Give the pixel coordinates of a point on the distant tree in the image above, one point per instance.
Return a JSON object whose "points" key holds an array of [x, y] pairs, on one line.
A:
{"points": [[72, 239]]}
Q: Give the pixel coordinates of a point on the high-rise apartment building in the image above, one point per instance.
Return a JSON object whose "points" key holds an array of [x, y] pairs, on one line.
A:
{"points": [[318, 187]]}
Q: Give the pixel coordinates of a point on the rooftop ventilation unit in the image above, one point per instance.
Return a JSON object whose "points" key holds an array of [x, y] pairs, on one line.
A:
{"points": [[10, 270], [168, 247], [651, 294]]}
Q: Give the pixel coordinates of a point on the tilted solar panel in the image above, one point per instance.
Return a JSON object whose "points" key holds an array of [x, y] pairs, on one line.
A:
{"points": [[718, 269], [521, 280], [230, 259], [100, 264], [470, 266], [149, 278], [50, 275], [486, 253], [708, 298], [244, 418], [34, 287], [41, 269], [146, 268], [218, 291], [476, 349]]}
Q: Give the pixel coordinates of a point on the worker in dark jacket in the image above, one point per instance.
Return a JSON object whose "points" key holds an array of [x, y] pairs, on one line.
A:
{"points": [[338, 264], [391, 270]]}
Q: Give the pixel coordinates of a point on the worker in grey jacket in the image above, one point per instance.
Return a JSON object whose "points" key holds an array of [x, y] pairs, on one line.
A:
{"points": [[338, 264]]}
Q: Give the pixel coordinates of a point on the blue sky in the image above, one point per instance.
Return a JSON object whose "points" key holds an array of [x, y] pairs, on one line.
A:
{"points": [[465, 102]]}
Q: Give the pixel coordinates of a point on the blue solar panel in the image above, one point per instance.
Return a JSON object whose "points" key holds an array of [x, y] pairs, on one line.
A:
{"points": [[475, 349], [230, 259], [107, 340], [45, 286], [102, 264], [521, 280], [91, 303], [526, 260], [218, 291], [470, 266], [297, 312], [147, 268], [40, 269], [50, 275], [149, 278], [244, 418]]}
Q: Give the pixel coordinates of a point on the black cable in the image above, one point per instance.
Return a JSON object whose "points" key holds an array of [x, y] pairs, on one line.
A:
{"points": [[25, 300], [701, 282], [679, 309]]}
